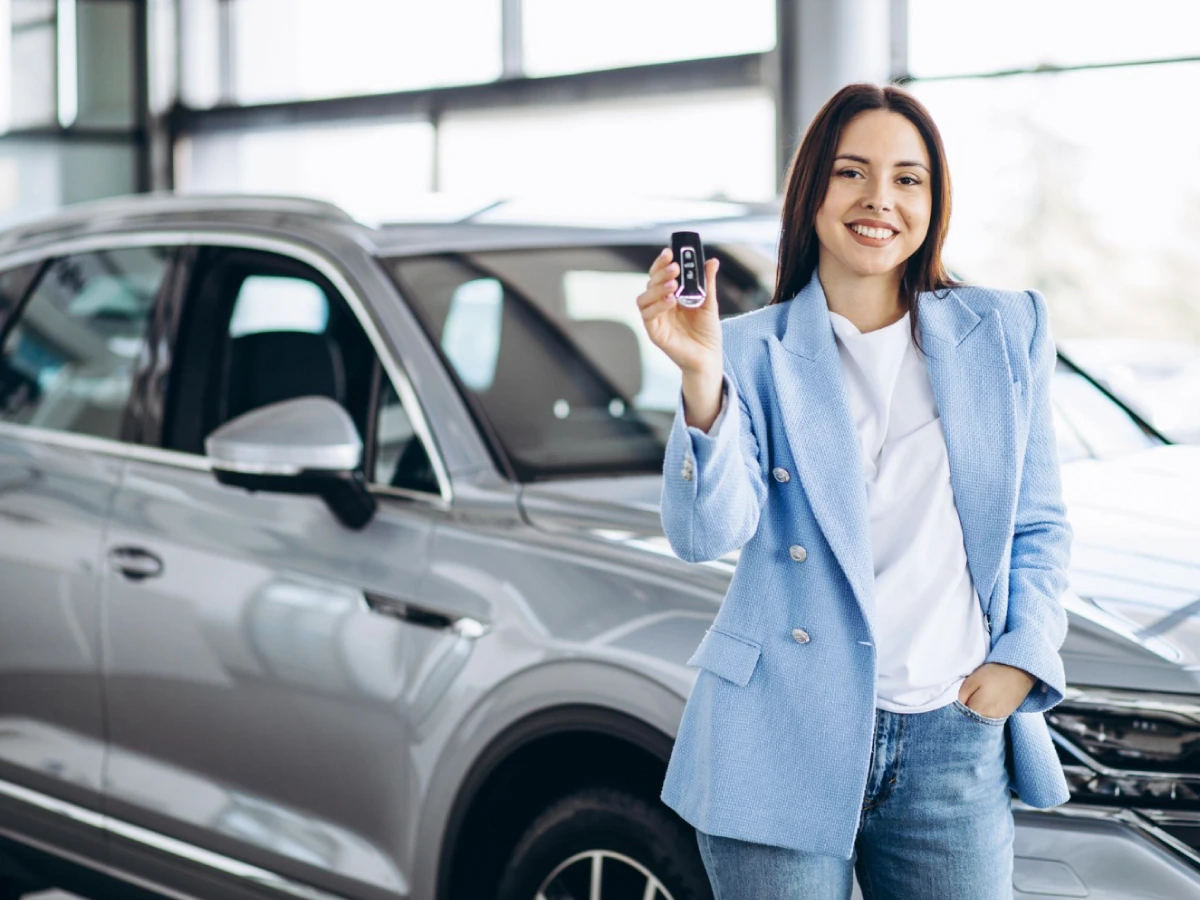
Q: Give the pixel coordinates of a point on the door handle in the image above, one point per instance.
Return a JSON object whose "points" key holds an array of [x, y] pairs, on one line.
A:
{"points": [[135, 563], [395, 608]]}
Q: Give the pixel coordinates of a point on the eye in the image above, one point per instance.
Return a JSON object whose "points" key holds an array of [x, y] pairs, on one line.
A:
{"points": [[908, 180], [850, 173]]}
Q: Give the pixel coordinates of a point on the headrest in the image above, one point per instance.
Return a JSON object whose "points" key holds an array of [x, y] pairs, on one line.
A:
{"points": [[613, 348], [270, 366]]}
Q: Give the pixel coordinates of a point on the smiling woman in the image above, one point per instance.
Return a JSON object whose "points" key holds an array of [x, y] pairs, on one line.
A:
{"points": [[875, 177], [927, 541]]}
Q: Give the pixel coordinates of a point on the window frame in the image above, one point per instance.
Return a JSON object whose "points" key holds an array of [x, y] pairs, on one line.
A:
{"points": [[142, 445]]}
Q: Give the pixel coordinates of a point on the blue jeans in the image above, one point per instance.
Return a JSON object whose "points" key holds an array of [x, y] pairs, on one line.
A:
{"points": [[936, 822]]}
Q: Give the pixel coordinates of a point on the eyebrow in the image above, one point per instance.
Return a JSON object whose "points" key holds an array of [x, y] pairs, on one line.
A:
{"points": [[902, 164]]}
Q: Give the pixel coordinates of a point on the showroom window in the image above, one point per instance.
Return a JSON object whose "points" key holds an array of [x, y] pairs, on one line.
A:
{"points": [[1074, 173]]}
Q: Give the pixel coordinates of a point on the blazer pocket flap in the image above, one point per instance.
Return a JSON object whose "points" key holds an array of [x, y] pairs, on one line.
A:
{"points": [[733, 658]]}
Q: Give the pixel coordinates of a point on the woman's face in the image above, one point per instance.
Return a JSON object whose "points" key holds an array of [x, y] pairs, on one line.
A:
{"points": [[876, 209]]}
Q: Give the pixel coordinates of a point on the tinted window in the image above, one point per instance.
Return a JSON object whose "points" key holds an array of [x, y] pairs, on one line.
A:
{"points": [[549, 347], [69, 358]]}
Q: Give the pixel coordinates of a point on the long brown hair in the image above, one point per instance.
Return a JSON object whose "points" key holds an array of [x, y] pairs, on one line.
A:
{"points": [[808, 180]]}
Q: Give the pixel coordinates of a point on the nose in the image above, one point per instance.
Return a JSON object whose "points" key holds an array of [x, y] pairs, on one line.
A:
{"points": [[877, 197]]}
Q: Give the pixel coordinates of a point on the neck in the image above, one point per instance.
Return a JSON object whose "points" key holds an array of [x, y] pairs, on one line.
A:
{"points": [[869, 301]]}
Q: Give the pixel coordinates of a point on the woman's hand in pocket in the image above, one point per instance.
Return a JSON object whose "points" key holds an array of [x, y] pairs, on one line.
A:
{"points": [[995, 690]]}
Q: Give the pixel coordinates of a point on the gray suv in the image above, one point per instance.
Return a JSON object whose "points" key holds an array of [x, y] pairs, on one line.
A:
{"points": [[331, 566]]}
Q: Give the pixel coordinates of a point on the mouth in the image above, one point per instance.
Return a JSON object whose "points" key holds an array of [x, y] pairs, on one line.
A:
{"points": [[871, 236]]}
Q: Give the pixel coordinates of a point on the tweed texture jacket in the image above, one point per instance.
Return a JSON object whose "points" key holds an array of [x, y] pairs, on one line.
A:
{"points": [[775, 742]]}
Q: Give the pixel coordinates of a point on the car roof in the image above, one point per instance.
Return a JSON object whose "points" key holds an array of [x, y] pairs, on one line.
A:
{"points": [[421, 224]]}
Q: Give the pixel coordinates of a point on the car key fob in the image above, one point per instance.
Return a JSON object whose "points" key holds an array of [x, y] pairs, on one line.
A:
{"points": [[689, 253]]}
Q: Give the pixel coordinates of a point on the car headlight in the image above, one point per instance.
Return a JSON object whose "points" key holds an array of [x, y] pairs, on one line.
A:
{"points": [[1133, 749]]}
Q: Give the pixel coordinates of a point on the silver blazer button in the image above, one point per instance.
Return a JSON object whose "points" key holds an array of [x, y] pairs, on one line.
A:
{"points": [[800, 636], [798, 553], [781, 475]]}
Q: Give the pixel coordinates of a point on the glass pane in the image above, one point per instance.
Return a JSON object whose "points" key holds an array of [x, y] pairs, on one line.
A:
{"points": [[37, 177], [389, 161], [162, 54], [605, 148], [33, 99], [1055, 189], [105, 65], [307, 49], [400, 457], [1157, 378], [948, 37], [552, 347], [1097, 422], [68, 363], [200, 52], [575, 37], [471, 335]]}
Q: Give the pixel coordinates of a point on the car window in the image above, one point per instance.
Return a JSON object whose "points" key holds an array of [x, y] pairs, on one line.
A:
{"points": [[549, 347], [266, 329], [400, 459], [1088, 423], [69, 357]]}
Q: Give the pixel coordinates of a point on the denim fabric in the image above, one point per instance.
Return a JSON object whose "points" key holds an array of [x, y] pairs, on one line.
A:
{"points": [[935, 823]]}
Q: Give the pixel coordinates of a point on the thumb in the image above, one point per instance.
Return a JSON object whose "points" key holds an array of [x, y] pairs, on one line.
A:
{"points": [[710, 282]]}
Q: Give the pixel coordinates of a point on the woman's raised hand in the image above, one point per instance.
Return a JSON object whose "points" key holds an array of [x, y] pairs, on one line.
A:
{"points": [[690, 336]]}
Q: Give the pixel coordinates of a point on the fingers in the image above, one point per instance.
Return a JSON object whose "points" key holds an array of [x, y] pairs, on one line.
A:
{"points": [[652, 311], [967, 688], [666, 274], [710, 281], [662, 260]]}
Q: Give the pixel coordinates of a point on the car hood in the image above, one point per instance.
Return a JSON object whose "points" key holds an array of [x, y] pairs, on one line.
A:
{"points": [[1134, 594]]}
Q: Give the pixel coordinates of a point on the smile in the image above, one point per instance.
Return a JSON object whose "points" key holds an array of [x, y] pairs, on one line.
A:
{"points": [[871, 237]]}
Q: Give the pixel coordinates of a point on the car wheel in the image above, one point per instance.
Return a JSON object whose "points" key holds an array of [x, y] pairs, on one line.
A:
{"points": [[605, 844]]}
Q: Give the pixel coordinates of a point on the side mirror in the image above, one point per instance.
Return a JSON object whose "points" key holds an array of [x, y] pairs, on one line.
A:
{"points": [[308, 445]]}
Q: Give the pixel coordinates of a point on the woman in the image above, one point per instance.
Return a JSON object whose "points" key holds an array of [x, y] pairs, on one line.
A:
{"points": [[878, 441]]}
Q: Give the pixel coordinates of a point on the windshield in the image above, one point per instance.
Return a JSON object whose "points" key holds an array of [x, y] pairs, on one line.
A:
{"points": [[548, 347]]}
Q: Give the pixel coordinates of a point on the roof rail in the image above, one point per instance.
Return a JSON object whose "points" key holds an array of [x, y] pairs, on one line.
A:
{"points": [[162, 202]]}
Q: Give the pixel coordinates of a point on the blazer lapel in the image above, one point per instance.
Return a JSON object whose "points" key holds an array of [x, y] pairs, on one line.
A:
{"points": [[811, 396], [972, 384]]}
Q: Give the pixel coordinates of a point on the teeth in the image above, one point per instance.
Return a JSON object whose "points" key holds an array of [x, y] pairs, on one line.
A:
{"points": [[872, 232]]}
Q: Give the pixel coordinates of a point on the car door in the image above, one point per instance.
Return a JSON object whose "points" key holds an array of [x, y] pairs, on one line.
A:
{"points": [[72, 340], [267, 669]]}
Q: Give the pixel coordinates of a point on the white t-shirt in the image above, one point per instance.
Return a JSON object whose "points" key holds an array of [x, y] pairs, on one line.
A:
{"points": [[930, 632]]}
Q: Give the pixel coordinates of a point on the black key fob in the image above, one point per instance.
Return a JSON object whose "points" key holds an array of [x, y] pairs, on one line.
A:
{"points": [[688, 252]]}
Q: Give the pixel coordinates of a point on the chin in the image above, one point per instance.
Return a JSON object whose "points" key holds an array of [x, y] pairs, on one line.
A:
{"points": [[872, 267]]}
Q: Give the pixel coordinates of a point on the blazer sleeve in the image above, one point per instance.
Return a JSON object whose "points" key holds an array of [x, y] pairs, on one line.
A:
{"points": [[713, 488], [1036, 623]]}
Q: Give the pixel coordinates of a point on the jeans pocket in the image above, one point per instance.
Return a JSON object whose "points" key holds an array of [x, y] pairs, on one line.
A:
{"points": [[978, 717]]}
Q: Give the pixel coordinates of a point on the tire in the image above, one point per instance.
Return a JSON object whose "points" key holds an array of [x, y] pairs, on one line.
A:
{"points": [[633, 839]]}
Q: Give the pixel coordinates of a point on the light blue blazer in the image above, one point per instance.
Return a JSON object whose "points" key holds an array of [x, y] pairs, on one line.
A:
{"points": [[775, 741]]}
